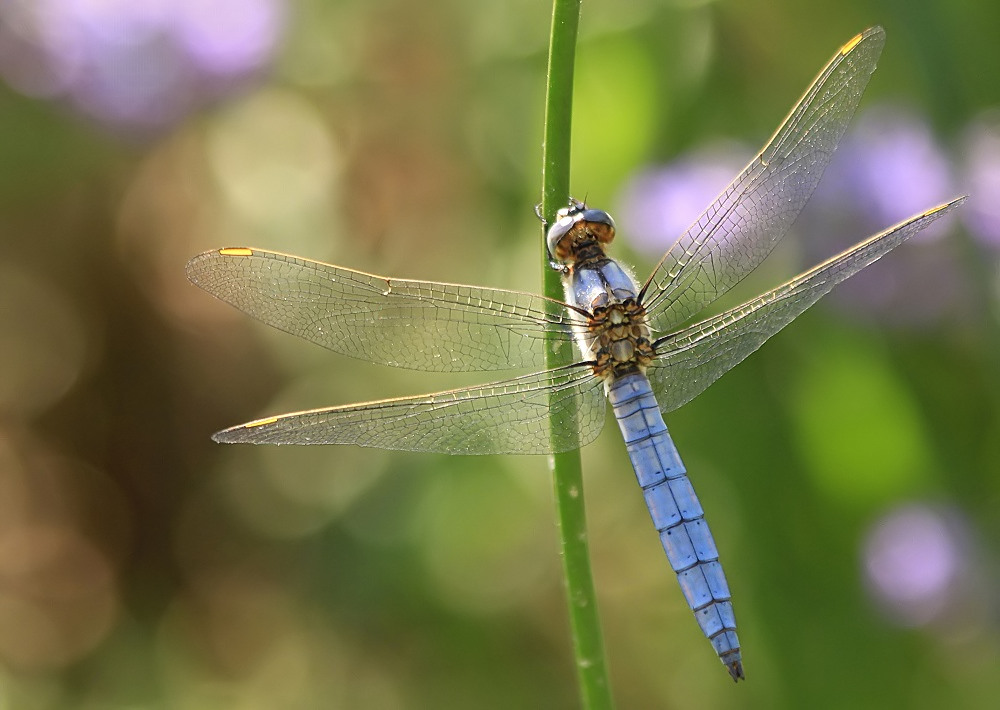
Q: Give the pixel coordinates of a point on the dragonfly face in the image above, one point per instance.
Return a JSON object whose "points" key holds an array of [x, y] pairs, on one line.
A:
{"points": [[634, 349], [579, 234]]}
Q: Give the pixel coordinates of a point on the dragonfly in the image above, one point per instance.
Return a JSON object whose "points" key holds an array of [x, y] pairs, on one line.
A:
{"points": [[635, 345]]}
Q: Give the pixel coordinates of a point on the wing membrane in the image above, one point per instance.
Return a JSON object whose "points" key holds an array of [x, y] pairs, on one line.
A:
{"points": [[509, 417], [742, 225], [420, 325], [692, 359]]}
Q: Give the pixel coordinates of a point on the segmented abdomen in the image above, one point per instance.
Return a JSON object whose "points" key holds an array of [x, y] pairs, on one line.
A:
{"points": [[677, 514]]}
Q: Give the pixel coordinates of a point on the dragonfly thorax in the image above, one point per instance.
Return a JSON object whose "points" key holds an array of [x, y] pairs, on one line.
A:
{"points": [[619, 338]]}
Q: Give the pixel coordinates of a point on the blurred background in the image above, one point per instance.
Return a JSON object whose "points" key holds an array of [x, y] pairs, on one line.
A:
{"points": [[850, 469]]}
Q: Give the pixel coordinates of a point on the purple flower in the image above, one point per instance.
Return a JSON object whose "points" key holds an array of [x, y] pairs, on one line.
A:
{"points": [[658, 204], [981, 152], [889, 167], [132, 65], [228, 37], [918, 564]]}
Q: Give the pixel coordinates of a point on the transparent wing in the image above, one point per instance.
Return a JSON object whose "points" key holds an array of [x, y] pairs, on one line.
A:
{"points": [[420, 325], [742, 225], [691, 359], [509, 417]]}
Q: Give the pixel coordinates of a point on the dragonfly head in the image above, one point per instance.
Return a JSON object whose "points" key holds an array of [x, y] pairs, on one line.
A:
{"points": [[578, 228]]}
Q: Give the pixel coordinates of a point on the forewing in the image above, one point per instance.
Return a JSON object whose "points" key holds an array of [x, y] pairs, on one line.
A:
{"points": [[420, 325], [691, 359], [555, 410], [742, 225]]}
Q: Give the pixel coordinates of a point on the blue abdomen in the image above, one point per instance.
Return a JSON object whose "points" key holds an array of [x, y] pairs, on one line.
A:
{"points": [[677, 514]]}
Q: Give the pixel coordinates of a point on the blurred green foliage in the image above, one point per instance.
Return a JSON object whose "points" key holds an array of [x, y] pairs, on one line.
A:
{"points": [[144, 566]]}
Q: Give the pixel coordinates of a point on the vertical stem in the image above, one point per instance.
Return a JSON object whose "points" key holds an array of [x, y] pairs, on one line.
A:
{"points": [[588, 644]]}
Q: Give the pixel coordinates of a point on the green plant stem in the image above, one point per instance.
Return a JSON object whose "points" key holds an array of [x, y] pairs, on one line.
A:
{"points": [[588, 644]]}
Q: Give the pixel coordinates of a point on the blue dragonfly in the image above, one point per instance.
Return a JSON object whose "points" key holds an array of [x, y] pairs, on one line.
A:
{"points": [[634, 346]]}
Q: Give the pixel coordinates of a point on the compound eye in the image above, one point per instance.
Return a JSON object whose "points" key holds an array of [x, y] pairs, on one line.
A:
{"points": [[599, 216], [600, 224], [557, 232]]}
